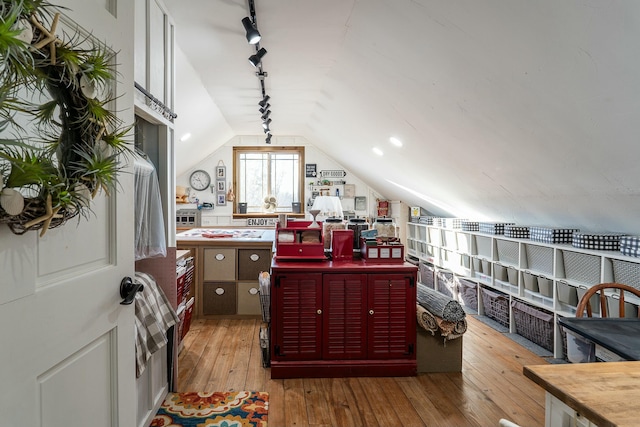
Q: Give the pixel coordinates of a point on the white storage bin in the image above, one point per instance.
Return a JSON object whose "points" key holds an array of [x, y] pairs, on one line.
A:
{"points": [[545, 286], [530, 281]]}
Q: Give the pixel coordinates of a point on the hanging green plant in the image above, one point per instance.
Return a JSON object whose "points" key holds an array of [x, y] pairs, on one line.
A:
{"points": [[60, 144]]}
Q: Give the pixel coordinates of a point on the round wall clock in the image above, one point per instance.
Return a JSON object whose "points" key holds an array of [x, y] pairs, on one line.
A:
{"points": [[199, 180]]}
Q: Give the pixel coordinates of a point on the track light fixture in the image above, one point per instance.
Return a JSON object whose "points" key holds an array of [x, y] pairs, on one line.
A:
{"points": [[250, 24], [257, 58], [264, 101], [253, 35]]}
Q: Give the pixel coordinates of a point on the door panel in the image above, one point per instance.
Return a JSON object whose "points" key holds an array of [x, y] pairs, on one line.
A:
{"points": [[391, 324], [299, 298], [344, 317], [96, 363], [67, 351]]}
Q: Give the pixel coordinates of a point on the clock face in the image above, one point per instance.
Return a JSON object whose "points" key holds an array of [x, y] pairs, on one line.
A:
{"points": [[199, 180]]}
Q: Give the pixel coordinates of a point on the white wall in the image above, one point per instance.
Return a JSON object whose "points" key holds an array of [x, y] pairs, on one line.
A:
{"points": [[222, 215]]}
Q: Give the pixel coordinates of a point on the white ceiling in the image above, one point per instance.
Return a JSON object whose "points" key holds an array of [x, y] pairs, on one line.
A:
{"points": [[521, 110]]}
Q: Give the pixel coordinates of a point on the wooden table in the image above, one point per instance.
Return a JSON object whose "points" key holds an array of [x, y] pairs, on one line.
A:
{"points": [[604, 393]]}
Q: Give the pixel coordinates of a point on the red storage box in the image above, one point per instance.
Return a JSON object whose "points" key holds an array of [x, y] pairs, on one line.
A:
{"points": [[381, 253], [188, 313], [297, 241]]}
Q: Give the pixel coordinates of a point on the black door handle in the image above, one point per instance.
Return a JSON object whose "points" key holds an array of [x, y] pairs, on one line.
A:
{"points": [[128, 290]]}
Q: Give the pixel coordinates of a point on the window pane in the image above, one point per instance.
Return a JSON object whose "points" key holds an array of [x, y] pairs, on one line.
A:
{"points": [[284, 179], [264, 173], [253, 181]]}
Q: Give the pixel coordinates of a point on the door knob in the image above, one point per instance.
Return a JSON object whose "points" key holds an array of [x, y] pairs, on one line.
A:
{"points": [[128, 290]]}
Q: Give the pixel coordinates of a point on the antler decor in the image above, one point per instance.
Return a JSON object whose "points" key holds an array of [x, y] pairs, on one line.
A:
{"points": [[50, 171]]}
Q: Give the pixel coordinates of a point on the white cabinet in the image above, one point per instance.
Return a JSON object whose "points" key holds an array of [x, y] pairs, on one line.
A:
{"points": [[549, 276], [558, 414]]}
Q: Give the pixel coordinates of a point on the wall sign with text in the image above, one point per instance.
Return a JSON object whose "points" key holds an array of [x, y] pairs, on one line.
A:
{"points": [[333, 174]]}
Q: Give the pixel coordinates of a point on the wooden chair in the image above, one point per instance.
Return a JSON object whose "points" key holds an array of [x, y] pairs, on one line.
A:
{"points": [[585, 301]]}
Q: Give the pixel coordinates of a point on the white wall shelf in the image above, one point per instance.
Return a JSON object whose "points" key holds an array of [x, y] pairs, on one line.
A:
{"points": [[563, 272]]}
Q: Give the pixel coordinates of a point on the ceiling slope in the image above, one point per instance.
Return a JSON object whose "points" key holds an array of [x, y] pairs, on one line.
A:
{"points": [[508, 110]]}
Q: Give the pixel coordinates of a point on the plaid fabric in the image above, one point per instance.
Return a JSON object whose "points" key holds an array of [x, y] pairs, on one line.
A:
{"points": [[493, 227], [427, 220], [516, 232], [455, 223], [154, 315], [630, 245], [470, 226], [551, 235], [598, 241]]}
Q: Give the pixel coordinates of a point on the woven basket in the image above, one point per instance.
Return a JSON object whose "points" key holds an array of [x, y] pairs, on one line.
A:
{"points": [[496, 305], [533, 323]]}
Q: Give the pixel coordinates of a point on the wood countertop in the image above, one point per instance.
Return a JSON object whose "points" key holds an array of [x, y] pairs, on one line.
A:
{"points": [[603, 392]]}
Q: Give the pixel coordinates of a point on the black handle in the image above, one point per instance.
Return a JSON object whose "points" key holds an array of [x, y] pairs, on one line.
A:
{"points": [[128, 290]]}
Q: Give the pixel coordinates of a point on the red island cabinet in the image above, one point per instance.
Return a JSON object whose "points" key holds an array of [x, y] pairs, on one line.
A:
{"points": [[341, 319]]}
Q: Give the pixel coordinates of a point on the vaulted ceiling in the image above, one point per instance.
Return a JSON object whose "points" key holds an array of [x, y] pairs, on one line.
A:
{"points": [[526, 111]]}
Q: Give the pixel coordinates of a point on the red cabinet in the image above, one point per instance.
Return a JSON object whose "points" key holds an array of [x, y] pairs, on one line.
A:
{"points": [[342, 319]]}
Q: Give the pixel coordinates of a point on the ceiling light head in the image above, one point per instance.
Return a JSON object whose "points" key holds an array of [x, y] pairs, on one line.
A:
{"points": [[264, 101], [268, 138], [265, 115], [266, 123], [267, 130], [253, 35], [265, 108], [378, 151], [395, 141], [257, 58]]}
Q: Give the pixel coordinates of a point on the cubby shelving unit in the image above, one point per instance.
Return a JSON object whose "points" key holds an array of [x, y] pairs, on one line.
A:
{"points": [[552, 277]]}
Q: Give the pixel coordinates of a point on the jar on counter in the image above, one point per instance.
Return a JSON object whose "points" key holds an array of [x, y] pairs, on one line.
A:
{"points": [[328, 225], [385, 227], [357, 225]]}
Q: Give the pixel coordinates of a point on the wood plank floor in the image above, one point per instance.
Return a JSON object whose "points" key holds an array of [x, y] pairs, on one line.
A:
{"points": [[224, 355]]}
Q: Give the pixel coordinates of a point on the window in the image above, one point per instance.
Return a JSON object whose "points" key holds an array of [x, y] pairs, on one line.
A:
{"points": [[268, 172]]}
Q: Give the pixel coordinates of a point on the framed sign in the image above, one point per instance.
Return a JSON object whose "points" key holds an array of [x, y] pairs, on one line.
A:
{"points": [[221, 172], [221, 199], [310, 170], [349, 190], [361, 203], [221, 186], [333, 174]]}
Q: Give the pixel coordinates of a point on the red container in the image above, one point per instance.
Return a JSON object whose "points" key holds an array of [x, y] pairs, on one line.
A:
{"points": [[342, 245]]}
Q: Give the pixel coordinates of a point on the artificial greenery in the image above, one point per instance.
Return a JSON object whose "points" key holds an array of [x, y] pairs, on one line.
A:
{"points": [[60, 143]]}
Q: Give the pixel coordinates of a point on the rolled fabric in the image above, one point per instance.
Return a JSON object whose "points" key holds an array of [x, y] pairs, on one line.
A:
{"points": [[440, 305], [426, 320]]}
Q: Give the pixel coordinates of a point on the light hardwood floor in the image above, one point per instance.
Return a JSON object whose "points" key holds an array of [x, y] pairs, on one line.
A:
{"points": [[224, 355]]}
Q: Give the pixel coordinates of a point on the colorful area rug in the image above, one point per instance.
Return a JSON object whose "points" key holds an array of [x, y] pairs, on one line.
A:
{"points": [[217, 409]]}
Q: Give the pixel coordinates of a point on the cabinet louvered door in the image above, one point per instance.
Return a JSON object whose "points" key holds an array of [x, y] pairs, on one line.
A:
{"points": [[298, 299], [391, 316], [344, 319]]}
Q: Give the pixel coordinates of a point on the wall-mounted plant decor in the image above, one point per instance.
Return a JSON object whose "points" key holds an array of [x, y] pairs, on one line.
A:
{"points": [[60, 144]]}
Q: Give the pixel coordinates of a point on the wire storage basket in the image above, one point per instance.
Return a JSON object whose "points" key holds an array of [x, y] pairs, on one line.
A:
{"points": [[496, 305], [264, 281], [534, 324]]}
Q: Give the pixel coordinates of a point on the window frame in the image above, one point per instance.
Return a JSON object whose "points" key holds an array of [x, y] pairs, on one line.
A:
{"points": [[255, 149]]}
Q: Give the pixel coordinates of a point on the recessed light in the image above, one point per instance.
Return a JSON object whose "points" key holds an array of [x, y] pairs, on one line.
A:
{"points": [[395, 141], [378, 151], [185, 137]]}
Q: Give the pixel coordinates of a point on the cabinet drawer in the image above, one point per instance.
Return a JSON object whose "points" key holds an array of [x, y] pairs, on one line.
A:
{"points": [[219, 298], [251, 262], [220, 264], [249, 298]]}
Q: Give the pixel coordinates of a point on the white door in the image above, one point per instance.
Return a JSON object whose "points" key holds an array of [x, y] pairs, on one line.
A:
{"points": [[66, 344]]}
